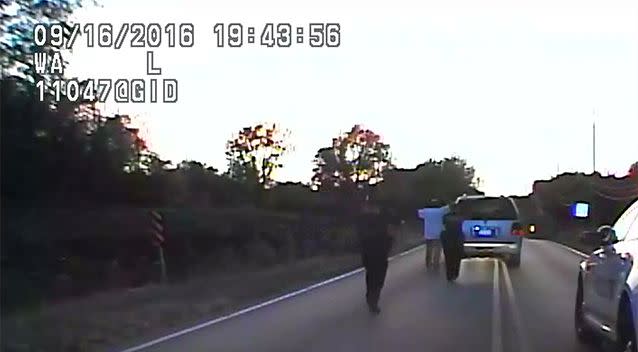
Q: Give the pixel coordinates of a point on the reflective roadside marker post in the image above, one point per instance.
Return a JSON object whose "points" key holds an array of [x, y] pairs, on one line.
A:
{"points": [[157, 230]]}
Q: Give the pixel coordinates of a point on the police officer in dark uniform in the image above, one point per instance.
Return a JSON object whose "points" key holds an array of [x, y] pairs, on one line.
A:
{"points": [[452, 240], [374, 229]]}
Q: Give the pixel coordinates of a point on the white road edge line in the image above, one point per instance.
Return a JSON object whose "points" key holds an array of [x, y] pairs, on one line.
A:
{"points": [[524, 342], [497, 333], [258, 306], [577, 252]]}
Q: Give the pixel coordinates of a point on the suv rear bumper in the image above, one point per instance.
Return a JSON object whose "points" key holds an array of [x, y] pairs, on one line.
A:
{"points": [[476, 249]]}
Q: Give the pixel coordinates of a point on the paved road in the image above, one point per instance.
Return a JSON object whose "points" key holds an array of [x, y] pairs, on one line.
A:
{"points": [[489, 308]]}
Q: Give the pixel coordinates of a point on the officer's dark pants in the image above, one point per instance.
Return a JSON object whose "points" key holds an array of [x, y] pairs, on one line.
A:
{"points": [[453, 251], [376, 269]]}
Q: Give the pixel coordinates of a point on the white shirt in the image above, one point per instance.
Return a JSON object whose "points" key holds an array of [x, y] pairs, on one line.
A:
{"points": [[433, 221]]}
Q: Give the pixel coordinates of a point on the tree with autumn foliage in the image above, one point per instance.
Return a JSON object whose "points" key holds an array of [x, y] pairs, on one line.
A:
{"points": [[254, 153], [356, 158]]}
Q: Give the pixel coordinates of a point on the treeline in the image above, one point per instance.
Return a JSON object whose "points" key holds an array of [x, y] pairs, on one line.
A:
{"points": [[73, 156]]}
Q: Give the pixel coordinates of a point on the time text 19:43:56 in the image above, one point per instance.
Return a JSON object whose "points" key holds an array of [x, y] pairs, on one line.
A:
{"points": [[281, 35]]}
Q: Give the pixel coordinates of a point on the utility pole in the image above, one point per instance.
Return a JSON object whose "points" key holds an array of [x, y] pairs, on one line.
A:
{"points": [[594, 143], [594, 147]]}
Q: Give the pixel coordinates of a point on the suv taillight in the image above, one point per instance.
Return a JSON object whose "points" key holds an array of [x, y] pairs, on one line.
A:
{"points": [[517, 230]]}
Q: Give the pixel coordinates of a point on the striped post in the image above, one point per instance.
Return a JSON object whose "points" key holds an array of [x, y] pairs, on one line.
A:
{"points": [[157, 228], [157, 232]]}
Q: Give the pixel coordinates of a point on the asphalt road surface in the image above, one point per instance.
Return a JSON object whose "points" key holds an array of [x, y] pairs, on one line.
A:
{"points": [[489, 308]]}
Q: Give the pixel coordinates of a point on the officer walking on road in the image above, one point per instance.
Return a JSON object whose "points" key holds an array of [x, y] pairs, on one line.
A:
{"points": [[452, 241], [374, 228]]}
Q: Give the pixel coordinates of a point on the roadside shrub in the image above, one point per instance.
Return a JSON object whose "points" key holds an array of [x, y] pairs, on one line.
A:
{"points": [[227, 258], [288, 251], [342, 238], [84, 273], [197, 240], [20, 290], [260, 252]]}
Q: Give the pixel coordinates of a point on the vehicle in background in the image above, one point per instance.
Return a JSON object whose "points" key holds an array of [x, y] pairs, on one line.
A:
{"points": [[607, 290], [492, 227]]}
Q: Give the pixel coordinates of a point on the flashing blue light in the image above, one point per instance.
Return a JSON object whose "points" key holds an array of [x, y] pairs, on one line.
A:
{"points": [[477, 228], [580, 210]]}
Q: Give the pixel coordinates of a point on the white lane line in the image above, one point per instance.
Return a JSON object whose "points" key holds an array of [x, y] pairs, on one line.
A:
{"points": [[497, 333], [255, 307], [524, 342], [577, 252]]}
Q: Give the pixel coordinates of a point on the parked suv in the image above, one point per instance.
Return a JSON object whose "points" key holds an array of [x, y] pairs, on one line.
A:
{"points": [[492, 227], [607, 293]]}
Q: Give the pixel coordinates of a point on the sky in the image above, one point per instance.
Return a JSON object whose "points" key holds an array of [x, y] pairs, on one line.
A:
{"points": [[511, 86]]}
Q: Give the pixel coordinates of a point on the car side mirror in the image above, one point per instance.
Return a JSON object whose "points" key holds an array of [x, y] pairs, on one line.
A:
{"points": [[607, 235], [603, 236]]}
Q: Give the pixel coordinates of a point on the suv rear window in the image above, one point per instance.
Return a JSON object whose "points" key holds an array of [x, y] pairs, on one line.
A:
{"points": [[487, 209]]}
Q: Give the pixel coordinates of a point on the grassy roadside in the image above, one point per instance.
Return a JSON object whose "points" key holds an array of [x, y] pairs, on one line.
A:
{"points": [[112, 320]]}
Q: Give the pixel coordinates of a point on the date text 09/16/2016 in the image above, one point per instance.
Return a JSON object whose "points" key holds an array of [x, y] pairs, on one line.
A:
{"points": [[107, 35]]}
